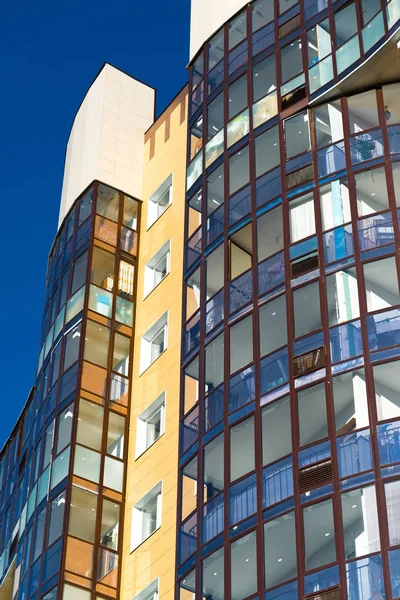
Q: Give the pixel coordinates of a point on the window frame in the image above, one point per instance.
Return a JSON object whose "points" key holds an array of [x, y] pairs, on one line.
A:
{"points": [[147, 342], [153, 213], [150, 270], [138, 511], [158, 405], [150, 592]]}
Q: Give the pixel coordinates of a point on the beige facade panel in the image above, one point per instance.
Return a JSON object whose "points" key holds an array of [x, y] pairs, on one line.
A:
{"points": [[107, 137], [206, 17], [148, 559]]}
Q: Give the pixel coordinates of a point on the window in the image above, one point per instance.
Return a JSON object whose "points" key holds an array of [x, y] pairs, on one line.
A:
{"points": [[387, 390], [335, 203], [302, 218], [215, 116], [239, 170], [150, 424], [313, 423], [242, 448], [82, 518], [328, 123], [276, 430], [371, 191], [272, 323], [146, 516], [307, 311], [262, 13], [213, 467], [350, 401], [345, 23], [392, 493], [157, 268], [280, 550], [264, 77], [213, 575], [267, 151], [244, 567], [381, 287], [319, 535], [150, 592], [297, 136], [318, 42], [360, 522], [269, 233], [214, 363], [241, 344], [363, 111], [154, 342], [159, 201], [291, 60], [237, 92], [342, 296]]}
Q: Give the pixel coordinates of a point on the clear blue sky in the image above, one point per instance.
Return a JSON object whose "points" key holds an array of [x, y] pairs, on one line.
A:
{"points": [[50, 53]]}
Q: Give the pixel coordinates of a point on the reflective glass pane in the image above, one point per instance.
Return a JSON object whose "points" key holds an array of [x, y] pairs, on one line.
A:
{"points": [[280, 550], [244, 567], [319, 535], [360, 522]]}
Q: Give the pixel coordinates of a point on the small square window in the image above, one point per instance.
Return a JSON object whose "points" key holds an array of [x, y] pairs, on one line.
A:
{"points": [[159, 201], [157, 268], [150, 424], [154, 342], [146, 516]]}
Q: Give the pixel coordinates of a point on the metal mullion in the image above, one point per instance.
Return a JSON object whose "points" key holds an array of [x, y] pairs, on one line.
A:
{"points": [[303, 37], [106, 414], [297, 510], [255, 323], [201, 352], [329, 404], [130, 390], [379, 487], [278, 66], [372, 412], [226, 332], [389, 177], [384, 17], [358, 7], [68, 489], [181, 407], [332, 27]]}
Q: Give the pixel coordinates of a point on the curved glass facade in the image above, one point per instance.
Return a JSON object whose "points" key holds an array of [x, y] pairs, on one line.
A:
{"points": [[290, 408], [63, 467]]}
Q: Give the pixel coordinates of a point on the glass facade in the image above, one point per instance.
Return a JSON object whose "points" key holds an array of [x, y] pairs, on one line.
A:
{"points": [[62, 469], [290, 364]]}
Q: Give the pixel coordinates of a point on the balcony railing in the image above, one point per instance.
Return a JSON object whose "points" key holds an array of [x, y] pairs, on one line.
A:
{"points": [[277, 482], [240, 291]]}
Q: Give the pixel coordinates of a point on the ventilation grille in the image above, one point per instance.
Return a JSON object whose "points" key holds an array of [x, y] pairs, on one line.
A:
{"points": [[299, 177], [331, 594], [311, 361], [304, 264], [315, 476], [288, 27]]}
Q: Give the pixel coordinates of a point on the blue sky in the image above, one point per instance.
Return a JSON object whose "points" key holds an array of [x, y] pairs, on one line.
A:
{"points": [[51, 52]]}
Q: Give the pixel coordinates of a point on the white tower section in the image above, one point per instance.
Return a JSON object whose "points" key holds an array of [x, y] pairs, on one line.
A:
{"points": [[107, 137], [207, 16]]}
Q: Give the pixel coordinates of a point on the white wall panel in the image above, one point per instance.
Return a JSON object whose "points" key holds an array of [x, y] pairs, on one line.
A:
{"points": [[107, 137], [207, 16]]}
